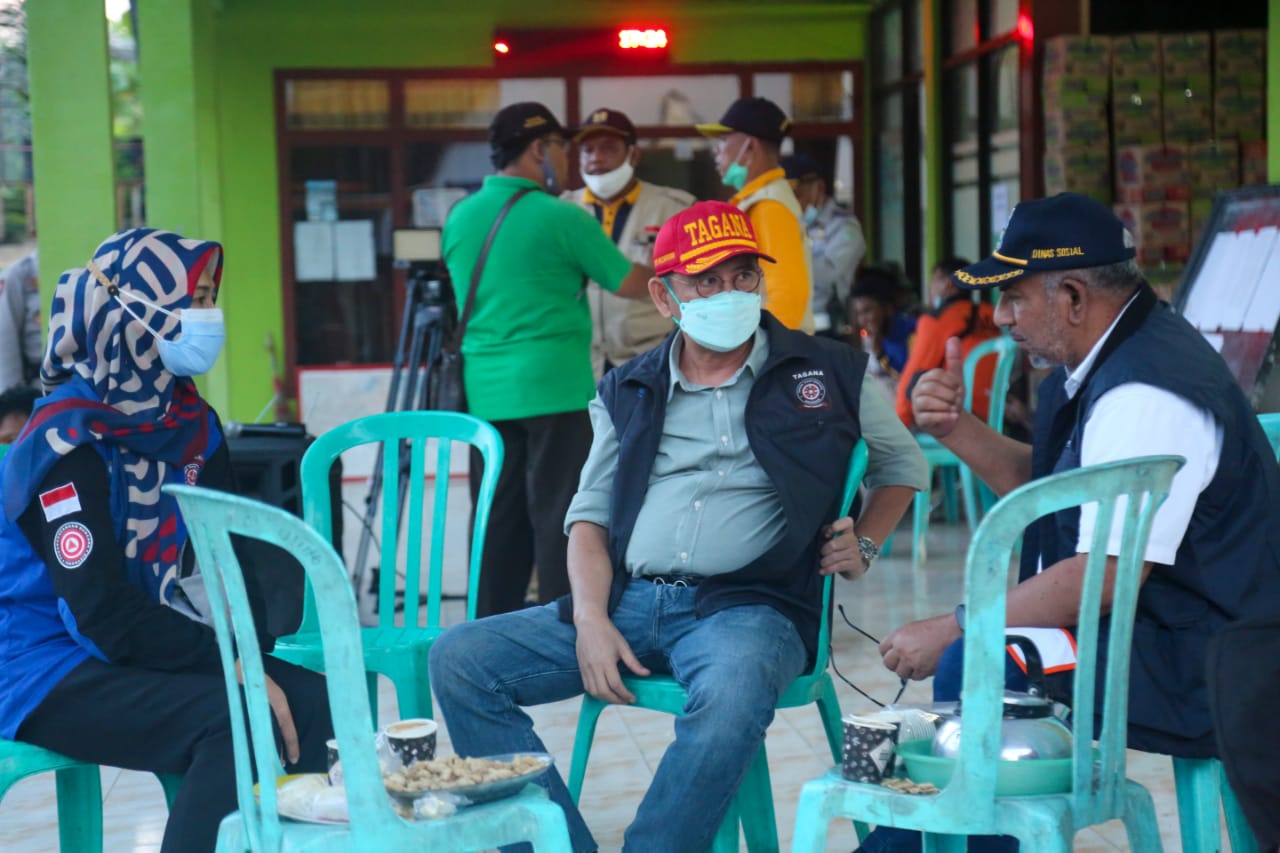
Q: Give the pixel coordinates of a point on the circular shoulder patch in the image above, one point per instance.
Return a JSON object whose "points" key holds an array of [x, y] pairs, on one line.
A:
{"points": [[72, 544], [811, 393]]}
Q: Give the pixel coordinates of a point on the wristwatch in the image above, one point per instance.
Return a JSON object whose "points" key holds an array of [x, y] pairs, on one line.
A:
{"points": [[868, 549]]}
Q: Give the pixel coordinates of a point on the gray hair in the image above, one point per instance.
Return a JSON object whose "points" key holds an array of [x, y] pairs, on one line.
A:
{"points": [[1119, 279]]}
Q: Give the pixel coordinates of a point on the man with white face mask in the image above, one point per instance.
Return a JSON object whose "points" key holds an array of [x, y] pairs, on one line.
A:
{"points": [[630, 211], [700, 537], [748, 139]]}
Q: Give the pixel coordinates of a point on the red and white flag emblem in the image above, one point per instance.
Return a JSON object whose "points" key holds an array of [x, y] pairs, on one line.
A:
{"points": [[61, 501]]}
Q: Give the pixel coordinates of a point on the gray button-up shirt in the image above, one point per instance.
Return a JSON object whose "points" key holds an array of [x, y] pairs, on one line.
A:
{"points": [[838, 246], [710, 507]]}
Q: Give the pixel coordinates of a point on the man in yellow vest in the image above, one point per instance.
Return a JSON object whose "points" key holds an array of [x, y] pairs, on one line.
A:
{"points": [[748, 139], [630, 211]]}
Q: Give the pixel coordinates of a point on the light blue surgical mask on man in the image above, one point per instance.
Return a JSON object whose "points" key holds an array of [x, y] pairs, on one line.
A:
{"points": [[201, 335], [736, 175], [810, 215], [720, 323]]}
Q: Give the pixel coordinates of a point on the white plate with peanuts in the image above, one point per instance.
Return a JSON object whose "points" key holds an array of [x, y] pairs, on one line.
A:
{"points": [[478, 780]]}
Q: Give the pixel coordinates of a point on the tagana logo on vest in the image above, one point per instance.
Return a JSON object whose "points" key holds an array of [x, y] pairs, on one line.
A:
{"points": [[811, 391]]}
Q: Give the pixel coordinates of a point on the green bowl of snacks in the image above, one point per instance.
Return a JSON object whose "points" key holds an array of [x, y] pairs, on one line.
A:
{"points": [[1028, 778]]}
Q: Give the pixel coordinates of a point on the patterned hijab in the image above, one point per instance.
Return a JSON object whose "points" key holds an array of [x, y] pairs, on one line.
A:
{"points": [[107, 387]]}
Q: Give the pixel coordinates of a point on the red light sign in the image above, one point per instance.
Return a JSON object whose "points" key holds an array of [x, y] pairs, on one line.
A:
{"points": [[631, 39], [1026, 30], [501, 47]]}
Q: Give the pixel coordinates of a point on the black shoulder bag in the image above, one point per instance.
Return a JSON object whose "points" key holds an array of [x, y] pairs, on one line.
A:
{"points": [[448, 393]]}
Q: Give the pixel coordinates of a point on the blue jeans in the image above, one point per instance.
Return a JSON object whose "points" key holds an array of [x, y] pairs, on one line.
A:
{"points": [[947, 681], [734, 665]]}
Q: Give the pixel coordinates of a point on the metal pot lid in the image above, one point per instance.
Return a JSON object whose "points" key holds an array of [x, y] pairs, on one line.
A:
{"points": [[1026, 706]]}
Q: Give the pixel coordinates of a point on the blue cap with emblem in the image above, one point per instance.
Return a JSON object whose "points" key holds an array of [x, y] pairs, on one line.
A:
{"points": [[1067, 231]]}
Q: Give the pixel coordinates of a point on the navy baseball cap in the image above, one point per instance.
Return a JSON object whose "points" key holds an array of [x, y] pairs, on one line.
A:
{"points": [[521, 122], [758, 117], [801, 167], [1067, 231]]}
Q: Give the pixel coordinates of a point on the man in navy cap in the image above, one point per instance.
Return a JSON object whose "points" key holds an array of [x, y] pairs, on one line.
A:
{"points": [[1135, 379], [748, 139], [835, 239], [630, 211]]}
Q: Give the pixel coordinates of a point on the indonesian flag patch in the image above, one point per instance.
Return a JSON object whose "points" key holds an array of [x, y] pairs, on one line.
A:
{"points": [[72, 544], [61, 501]]}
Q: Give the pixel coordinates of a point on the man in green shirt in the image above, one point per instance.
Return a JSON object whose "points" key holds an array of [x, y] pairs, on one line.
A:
{"points": [[527, 346]]}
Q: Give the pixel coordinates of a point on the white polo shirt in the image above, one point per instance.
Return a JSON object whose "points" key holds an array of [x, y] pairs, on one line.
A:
{"points": [[1136, 419]]}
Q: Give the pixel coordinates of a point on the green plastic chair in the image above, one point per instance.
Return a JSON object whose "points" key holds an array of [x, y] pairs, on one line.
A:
{"points": [[968, 804], [1201, 784], [752, 806], [1271, 426], [977, 498], [212, 517], [398, 651]]}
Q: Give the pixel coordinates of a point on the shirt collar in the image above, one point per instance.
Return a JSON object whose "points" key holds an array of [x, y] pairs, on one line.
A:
{"points": [[1076, 377], [755, 360], [630, 198], [758, 184]]}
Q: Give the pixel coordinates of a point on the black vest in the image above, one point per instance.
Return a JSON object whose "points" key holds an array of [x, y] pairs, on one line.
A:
{"points": [[1228, 564], [803, 444]]}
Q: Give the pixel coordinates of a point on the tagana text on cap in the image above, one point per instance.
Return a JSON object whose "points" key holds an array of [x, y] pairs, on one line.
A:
{"points": [[605, 120], [1067, 231], [758, 117], [522, 121], [699, 237]]}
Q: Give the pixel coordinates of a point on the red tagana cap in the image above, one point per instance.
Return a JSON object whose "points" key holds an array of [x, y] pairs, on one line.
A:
{"points": [[699, 237]]}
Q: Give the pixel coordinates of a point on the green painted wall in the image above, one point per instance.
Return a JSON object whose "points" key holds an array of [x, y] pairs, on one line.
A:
{"points": [[71, 132], [252, 39]]}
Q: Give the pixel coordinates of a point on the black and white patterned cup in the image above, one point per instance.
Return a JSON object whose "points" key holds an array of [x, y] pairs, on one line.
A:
{"points": [[412, 740], [868, 748]]}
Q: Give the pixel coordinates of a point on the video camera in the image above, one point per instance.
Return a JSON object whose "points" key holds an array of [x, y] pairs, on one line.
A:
{"points": [[418, 251]]}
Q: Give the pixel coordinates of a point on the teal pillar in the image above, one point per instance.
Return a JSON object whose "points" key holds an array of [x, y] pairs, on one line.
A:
{"points": [[1273, 92], [934, 239], [70, 133], [180, 135]]}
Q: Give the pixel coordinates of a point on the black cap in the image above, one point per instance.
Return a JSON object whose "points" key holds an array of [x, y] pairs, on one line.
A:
{"points": [[605, 120], [521, 122], [1067, 231], [801, 167], [758, 117]]}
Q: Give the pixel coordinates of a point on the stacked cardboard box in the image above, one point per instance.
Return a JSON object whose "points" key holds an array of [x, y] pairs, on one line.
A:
{"points": [[1253, 163], [1136, 109], [1213, 167], [1239, 97], [1147, 173], [1161, 230], [1077, 136], [1186, 94]]}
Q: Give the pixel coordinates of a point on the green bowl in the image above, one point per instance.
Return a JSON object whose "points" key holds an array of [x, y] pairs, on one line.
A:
{"points": [[1013, 778]]}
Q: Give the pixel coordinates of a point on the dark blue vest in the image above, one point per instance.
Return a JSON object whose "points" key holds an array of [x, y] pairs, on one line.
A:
{"points": [[804, 449], [1228, 564]]}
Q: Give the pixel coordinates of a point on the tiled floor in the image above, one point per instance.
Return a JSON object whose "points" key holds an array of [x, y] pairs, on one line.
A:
{"points": [[630, 742]]}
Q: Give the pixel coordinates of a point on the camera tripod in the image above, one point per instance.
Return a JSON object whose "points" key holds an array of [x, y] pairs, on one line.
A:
{"points": [[430, 316]]}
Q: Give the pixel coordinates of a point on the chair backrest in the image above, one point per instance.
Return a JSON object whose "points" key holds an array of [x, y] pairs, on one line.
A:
{"points": [[1002, 349], [212, 517], [412, 431], [1271, 426], [857, 468], [1137, 487]]}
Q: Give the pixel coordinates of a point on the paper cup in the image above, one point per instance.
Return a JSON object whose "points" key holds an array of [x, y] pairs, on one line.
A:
{"points": [[868, 748], [412, 740]]}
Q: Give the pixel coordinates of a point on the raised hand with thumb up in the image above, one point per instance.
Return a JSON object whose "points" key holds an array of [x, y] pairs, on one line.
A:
{"points": [[938, 397]]}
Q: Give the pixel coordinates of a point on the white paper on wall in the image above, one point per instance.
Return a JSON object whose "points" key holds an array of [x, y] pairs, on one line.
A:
{"points": [[313, 251]]}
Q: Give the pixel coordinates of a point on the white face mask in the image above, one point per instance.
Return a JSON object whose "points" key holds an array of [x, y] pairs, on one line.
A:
{"points": [[610, 184]]}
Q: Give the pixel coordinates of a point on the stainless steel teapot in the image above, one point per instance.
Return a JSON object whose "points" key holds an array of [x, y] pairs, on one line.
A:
{"points": [[1029, 730]]}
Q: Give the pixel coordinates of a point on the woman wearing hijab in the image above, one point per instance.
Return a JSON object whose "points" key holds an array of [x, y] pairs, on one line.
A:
{"points": [[99, 660]]}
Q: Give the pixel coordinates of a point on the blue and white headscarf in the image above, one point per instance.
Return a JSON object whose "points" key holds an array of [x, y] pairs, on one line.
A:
{"points": [[106, 386]]}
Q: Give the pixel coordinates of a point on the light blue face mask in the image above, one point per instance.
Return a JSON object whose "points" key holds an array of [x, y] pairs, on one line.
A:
{"points": [[736, 175], [721, 323], [202, 333], [810, 215]]}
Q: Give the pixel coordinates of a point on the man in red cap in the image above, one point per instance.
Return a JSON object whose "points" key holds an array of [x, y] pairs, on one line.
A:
{"points": [[630, 211], [700, 536]]}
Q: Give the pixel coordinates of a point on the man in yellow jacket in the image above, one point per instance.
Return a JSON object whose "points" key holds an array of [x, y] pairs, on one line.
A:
{"points": [[747, 142]]}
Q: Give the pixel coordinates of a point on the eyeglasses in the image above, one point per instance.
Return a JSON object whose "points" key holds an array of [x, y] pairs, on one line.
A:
{"points": [[746, 280]]}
